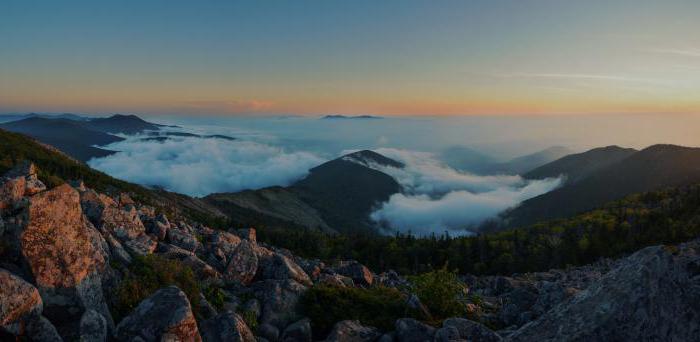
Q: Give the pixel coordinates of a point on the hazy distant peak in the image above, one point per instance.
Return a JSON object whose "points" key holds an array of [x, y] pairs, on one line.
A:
{"points": [[367, 157], [350, 117]]}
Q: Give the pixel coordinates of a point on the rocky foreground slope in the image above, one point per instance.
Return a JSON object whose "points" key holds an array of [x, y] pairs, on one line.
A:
{"points": [[65, 250]]}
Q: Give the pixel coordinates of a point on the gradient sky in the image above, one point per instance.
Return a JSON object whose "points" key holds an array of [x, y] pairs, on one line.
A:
{"points": [[352, 57]]}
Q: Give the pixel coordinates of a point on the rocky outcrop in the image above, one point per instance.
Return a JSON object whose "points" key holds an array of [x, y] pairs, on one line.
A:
{"points": [[93, 327], [226, 327], [18, 299], [242, 264], [352, 331], [298, 332], [460, 329], [20, 181], [164, 316], [64, 252], [282, 267], [360, 274], [650, 295], [279, 301], [411, 330]]}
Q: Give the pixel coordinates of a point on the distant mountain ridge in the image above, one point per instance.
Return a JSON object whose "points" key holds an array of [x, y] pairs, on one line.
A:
{"points": [[470, 160], [580, 165], [350, 117], [653, 168], [77, 136]]}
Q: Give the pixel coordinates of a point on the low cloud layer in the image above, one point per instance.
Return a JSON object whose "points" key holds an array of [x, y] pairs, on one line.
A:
{"points": [[437, 198], [198, 166]]}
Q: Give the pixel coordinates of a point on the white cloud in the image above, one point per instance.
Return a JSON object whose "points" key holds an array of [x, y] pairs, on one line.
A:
{"points": [[437, 198], [197, 166]]}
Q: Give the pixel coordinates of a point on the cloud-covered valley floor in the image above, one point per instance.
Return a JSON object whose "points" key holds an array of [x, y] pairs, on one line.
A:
{"points": [[436, 198]]}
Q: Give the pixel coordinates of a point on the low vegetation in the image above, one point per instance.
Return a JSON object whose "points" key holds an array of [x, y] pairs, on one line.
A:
{"points": [[662, 217], [147, 275]]}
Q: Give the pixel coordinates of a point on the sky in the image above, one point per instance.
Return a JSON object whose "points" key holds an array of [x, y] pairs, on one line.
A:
{"points": [[350, 57]]}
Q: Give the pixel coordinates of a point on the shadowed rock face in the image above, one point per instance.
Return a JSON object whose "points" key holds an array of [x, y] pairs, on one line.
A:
{"points": [[164, 316], [18, 298], [653, 294]]}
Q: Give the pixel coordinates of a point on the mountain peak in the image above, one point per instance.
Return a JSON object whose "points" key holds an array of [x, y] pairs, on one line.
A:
{"points": [[367, 157]]}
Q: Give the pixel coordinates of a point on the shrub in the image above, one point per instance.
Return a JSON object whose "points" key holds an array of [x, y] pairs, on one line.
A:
{"points": [[441, 292], [147, 275], [377, 306]]}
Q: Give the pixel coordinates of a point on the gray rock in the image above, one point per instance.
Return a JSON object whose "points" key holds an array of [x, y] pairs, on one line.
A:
{"points": [[18, 299], [243, 264], [652, 295], [299, 331], [269, 332], [93, 327], [282, 268], [465, 330], [352, 331], [182, 238], [279, 300], [360, 274], [40, 329], [411, 330], [166, 314], [224, 327]]}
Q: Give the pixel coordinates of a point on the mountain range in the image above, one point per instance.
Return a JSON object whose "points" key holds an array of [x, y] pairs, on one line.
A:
{"points": [[470, 160], [606, 174], [76, 135]]}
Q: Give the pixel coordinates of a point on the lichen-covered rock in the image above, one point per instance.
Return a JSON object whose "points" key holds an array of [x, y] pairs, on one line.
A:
{"points": [[352, 331], [248, 234], [281, 268], [18, 298], [652, 295], [279, 301], [201, 268], [165, 315], [411, 330], [243, 264], [182, 238], [226, 327], [460, 329], [93, 327], [20, 181], [360, 274], [64, 253], [299, 331], [335, 280], [11, 191], [124, 223], [141, 245]]}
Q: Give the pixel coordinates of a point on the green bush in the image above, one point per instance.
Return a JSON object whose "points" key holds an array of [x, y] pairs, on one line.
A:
{"points": [[377, 306], [441, 292], [147, 275]]}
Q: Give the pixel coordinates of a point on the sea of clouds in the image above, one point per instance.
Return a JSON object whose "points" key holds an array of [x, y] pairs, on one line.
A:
{"points": [[201, 166], [438, 199]]}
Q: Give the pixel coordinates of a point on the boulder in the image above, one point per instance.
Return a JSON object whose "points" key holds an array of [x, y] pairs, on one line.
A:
{"points": [[11, 191], [269, 332], [225, 327], [335, 280], [360, 274], [279, 300], [18, 299], [352, 331], [93, 327], [64, 253], [40, 329], [201, 268], [282, 267], [411, 330], [182, 238], [165, 315], [455, 329], [117, 251], [651, 295], [141, 245], [248, 234], [243, 264], [299, 331], [125, 224], [20, 181]]}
